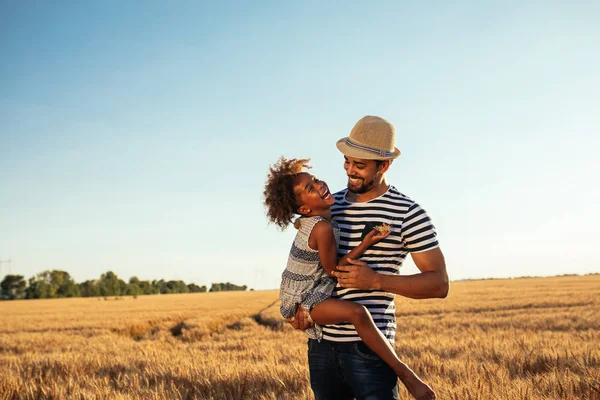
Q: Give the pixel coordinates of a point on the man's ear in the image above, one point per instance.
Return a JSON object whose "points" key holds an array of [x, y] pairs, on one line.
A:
{"points": [[384, 166], [303, 210]]}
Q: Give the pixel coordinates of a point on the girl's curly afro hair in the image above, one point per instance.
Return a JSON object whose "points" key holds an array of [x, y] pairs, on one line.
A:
{"points": [[280, 198]]}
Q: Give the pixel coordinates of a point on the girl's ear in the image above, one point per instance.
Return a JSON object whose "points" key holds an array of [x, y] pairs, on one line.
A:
{"points": [[303, 210]]}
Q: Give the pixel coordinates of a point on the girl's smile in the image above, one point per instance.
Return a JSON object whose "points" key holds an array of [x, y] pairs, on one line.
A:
{"points": [[312, 193]]}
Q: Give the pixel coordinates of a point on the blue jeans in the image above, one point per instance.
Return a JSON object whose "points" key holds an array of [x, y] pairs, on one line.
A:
{"points": [[349, 370]]}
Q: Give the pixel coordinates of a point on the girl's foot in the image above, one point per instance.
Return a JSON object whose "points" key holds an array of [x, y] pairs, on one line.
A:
{"points": [[417, 388]]}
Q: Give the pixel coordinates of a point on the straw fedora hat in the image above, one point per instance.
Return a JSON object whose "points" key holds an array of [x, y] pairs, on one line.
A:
{"points": [[372, 138]]}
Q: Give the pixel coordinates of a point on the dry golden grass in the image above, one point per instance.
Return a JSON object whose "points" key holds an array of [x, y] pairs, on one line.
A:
{"points": [[501, 339]]}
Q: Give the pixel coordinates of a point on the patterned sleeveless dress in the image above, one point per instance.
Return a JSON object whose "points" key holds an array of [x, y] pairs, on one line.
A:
{"points": [[304, 281]]}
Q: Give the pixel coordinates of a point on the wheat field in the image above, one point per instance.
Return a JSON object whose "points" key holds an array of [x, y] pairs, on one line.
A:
{"points": [[535, 338]]}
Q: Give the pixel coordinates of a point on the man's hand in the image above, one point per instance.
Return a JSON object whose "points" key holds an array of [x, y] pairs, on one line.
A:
{"points": [[358, 275], [300, 320]]}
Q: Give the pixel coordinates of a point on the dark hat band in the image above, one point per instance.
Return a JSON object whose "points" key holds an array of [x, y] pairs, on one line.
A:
{"points": [[379, 152]]}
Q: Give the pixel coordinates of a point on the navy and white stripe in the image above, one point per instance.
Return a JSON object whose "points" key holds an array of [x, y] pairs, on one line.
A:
{"points": [[412, 231]]}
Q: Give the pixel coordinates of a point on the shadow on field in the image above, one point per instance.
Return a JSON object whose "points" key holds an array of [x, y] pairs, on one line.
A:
{"points": [[244, 386], [177, 329], [272, 323], [196, 329], [269, 317]]}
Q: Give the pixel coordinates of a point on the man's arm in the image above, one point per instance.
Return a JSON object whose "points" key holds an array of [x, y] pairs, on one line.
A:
{"points": [[432, 282]]}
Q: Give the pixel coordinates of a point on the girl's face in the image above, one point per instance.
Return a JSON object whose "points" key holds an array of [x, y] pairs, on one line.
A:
{"points": [[312, 193]]}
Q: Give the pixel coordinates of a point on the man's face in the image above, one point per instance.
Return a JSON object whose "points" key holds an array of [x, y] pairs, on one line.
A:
{"points": [[362, 174]]}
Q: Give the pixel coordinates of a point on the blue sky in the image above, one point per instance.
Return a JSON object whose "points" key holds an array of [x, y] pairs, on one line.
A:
{"points": [[136, 137]]}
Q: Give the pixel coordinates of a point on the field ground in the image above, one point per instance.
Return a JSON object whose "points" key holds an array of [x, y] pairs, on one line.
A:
{"points": [[536, 338]]}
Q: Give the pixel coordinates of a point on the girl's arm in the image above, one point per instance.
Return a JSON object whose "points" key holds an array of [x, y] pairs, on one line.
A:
{"points": [[322, 239], [372, 237], [355, 252]]}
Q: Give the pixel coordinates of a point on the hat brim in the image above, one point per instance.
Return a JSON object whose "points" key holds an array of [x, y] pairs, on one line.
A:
{"points": [[358, 153]]}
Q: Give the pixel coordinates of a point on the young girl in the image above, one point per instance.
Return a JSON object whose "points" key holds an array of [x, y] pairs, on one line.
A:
{"points": [[307, 280]]}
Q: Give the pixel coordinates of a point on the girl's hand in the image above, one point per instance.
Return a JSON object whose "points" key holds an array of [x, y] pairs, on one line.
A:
{"points": [[375, 236], [300, 320]]}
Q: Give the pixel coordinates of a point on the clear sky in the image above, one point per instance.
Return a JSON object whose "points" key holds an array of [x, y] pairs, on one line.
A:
{"points": [[136, 136]]}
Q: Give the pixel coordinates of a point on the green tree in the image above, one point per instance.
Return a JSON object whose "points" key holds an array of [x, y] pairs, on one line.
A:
{"points": [[133, 290], [13, 286], [64, 284], [109, 284], [89, 288], [133, 287], [177, 287], [123, 287], [161, 286], [52, 284], [37, 288], [40, 286], [147, 287], [134, 280], [44, 285], [227, 286], [193, 288]]}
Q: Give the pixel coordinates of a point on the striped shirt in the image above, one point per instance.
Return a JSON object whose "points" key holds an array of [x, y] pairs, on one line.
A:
{"points": [[412, 231]]}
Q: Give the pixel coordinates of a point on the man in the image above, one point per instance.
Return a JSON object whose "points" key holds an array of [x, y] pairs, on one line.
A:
{"points": [[341, 366]]}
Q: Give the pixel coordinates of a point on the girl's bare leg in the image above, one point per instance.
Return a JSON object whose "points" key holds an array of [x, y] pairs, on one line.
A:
{"points": [[335, 311]]}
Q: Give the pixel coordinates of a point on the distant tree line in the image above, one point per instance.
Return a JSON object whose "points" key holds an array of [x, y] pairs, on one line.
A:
{"points": [[56, 284], [222, 287]]}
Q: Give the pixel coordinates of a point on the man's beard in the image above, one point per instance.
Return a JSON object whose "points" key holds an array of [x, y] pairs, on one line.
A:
{"points": [[364, 186]]}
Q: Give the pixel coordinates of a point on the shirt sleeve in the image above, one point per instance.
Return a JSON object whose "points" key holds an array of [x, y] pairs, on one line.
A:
{"points": [[418, 232]]}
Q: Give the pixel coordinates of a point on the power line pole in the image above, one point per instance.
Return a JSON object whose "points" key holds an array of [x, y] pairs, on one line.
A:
{"points": [[5, 262], [259, 274]]}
